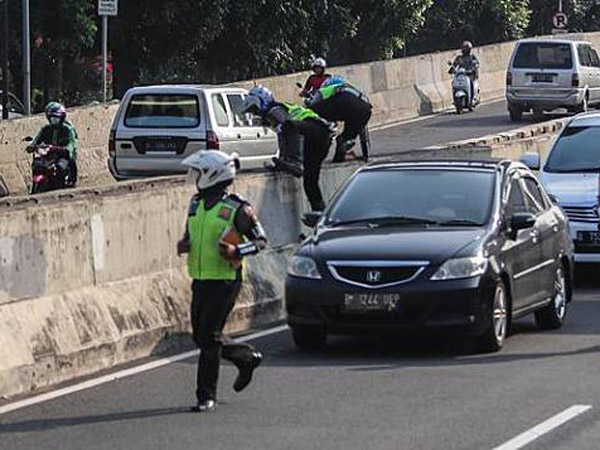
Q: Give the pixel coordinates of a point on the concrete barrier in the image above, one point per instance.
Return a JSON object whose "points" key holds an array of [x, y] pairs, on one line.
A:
{"points": [[90, 280], [399, 89]]}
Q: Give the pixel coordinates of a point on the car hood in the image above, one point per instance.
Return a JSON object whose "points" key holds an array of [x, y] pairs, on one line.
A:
{"points": [[422, 244], [572, 188]]}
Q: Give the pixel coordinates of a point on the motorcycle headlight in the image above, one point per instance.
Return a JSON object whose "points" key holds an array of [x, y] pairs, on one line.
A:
{"points": [[304, 267], [458, 268]]}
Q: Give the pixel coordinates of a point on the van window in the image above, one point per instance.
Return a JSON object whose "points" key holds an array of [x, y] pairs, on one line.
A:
{"points": [[543, 55], [163, 111], [585, 55], [240, 117], [220, 110]]}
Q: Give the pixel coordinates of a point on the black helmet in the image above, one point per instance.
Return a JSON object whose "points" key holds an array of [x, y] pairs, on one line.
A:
{"points": [[466, 47]]}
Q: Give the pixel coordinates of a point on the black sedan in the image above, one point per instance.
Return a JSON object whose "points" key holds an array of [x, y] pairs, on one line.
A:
{"points": [[463, 244]]}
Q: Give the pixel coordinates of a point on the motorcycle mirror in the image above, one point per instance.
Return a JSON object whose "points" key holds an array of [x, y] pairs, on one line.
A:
{"points": [[299, 85], [28, 139]]}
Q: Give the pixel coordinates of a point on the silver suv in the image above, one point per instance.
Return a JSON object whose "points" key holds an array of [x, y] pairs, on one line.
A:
{"points": [[545, 75], [156, 127]]}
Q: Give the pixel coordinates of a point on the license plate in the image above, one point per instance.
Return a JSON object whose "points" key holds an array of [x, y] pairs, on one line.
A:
{"points": [[371, 302], [542, 78], [591, 238], [163, 146]]}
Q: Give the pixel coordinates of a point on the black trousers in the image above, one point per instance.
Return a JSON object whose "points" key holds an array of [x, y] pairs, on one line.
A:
{"points": [[317, 140], [348, 108], [212, 301]]}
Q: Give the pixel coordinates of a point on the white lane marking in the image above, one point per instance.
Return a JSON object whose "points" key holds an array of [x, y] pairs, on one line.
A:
{"points": [[543, 428], [124, 374], [441, 113]]}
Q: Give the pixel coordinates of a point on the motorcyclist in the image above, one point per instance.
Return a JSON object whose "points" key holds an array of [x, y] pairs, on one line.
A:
{"points": [[339, 101], [221, 230], [304, 139], [470, 63], [60, 133], [316, 80]]}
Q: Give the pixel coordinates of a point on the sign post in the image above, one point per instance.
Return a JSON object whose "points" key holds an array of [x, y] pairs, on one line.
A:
{"points": [[106, 8], [5, 62], [561, 22], [26, 59]]}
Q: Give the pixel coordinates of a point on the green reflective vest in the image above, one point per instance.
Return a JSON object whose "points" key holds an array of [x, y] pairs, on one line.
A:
{"points": [[205, 229], [299, 113]]}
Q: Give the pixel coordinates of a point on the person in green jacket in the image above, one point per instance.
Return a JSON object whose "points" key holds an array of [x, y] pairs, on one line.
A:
{"points": [[60, 133], [221, 230], [304, 139]]}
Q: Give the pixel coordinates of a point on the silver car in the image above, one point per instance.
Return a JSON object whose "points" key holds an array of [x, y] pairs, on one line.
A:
{"points": [[549, 74], [156, 127], [571, 174]]}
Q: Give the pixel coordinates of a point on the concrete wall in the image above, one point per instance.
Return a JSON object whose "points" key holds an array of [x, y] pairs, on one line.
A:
{"points": [[399, 89], [93, 281]]}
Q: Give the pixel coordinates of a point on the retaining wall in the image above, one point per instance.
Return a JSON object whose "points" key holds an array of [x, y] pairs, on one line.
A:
{"points": [[399, 89]]}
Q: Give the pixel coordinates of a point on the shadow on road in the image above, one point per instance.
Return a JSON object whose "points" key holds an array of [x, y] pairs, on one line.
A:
{"points": [[49, 424]]}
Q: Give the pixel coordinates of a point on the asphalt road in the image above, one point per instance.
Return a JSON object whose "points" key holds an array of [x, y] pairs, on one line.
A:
{"points": [[415, 392]]}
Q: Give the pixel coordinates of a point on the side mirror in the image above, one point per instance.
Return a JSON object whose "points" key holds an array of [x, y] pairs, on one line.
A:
{"points": [[299, 85], [521, 221], [311, 219], [450, 63], [531, 160], [28, 139]]}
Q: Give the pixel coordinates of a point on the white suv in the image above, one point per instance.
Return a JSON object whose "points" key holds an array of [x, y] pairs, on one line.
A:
{"points": [[545, 75], [571, 174], [157, 127]]}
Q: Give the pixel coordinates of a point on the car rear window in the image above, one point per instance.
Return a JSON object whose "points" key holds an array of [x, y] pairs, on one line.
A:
{"points": [[577, 149], [163, 111], [434, 194], [542, 55]]}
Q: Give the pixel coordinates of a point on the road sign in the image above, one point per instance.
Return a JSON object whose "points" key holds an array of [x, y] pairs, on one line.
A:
{"points": [[560, 20], [108, 7]]}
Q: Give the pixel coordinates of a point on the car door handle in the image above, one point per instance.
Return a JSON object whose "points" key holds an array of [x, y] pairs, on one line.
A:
{"points": [[534, 236], [257, 135], [239, 136]]}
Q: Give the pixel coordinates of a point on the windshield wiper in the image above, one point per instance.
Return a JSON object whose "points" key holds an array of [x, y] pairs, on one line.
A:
{"points": [[460, 222], [387, 220]]}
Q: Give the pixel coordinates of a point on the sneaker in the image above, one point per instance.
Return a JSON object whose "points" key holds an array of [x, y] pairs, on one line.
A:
{"points": [[246, 370], [205, 406]]}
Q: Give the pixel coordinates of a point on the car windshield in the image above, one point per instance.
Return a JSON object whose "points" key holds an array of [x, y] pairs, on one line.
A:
{"points": [[413, 196], [541, 55], [576, 150], [163, 111]]}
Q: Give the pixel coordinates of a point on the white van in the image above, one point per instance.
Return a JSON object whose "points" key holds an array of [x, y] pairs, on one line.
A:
{"points": [[547, 74], [156, 127]]}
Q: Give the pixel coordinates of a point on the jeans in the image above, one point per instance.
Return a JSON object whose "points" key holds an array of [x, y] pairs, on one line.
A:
{"points": [[212, 301]]}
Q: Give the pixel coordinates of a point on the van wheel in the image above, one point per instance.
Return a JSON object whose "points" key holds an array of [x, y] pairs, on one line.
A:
{"points": [[553, 316], [498, 318], [516, 114]]}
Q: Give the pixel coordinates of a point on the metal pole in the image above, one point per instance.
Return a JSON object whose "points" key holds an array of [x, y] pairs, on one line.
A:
{"points": [[560, 5], [104, 56], [5, 64], [26, 59]]}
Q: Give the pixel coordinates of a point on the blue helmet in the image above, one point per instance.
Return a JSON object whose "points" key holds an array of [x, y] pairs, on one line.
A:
{"points": [[258, 100], [333, 80]]}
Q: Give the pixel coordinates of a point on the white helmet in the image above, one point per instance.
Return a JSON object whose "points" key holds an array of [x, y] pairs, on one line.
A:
{"points": [[259, 100], [211, 167], [319, 62]]}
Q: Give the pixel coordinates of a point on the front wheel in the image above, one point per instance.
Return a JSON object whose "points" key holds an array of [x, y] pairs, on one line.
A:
{"points": [[516, 114], [553, 316], [497, 318], [308, 339]]}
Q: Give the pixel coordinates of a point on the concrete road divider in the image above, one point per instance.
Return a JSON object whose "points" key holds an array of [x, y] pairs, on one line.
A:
{"points": [[90, 279], [399, 89]]}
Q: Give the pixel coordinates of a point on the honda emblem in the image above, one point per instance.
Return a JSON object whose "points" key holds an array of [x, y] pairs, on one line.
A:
{"points": [[373, 276]]}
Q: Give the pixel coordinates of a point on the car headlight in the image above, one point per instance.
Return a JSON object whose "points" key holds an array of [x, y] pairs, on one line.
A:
{"points": [[303, 267], [457, 268]]}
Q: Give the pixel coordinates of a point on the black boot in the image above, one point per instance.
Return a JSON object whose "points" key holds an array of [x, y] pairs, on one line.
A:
{"points": [[293, 168], [246, 370], [204, 406], [341, 149]]}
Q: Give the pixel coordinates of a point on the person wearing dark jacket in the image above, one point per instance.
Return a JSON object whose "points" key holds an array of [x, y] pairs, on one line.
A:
{"points": [[316, 79], [222, 229]]}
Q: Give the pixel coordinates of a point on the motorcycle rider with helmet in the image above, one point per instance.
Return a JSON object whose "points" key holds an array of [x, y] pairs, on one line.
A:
{"points": [[304, 139], [339, 101], [59, 133], [222, 229], [316, 80], [470, 63]]}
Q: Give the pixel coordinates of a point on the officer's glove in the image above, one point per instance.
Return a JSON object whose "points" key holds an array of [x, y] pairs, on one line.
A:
{"points": [[183, 246]]}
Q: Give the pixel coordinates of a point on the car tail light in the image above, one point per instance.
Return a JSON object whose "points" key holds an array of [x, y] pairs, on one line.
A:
{"points": [[112, 146], [212, 141], [509, 78], [575, 80]]}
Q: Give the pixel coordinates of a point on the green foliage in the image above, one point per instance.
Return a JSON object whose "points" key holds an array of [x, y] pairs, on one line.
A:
{"points": [[584, 15]]}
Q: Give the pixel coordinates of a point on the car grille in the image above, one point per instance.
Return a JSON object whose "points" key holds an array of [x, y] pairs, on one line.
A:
{"points": [[582, 214], [375, 275]]}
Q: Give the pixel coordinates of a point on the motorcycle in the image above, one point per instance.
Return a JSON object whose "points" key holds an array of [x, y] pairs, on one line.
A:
{"points": [[48, 169], [462, 87]]}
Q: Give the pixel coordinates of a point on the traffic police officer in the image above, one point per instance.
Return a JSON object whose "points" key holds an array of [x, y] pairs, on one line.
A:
{"points": [[221, 230]]}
